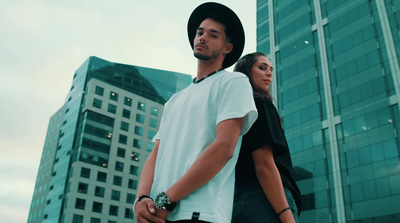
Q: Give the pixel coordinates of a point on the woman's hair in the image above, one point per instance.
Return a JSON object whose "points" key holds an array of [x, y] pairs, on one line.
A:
{"points": [[244, 65]]}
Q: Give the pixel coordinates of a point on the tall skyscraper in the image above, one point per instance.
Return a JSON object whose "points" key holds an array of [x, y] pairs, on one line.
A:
{"points": [[97, 142], [337, 88]]}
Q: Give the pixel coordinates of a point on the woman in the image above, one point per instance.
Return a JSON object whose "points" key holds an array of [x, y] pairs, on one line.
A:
{"points": [[265, 189]]}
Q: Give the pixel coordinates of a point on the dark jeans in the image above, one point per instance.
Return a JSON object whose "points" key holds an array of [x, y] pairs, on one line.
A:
{"points": [[252, 206]]}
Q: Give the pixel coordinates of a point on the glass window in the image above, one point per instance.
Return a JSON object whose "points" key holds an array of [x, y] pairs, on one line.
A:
{"points": [[356, 191], [117, 180], [113, 96], [80, 203], [121, 152], [138, 130], [390, 149], [135, 156], [124, 126], [359, 124], [352, 159], [137, 143], [364, 154], [101, 176], [130, 198], [115, 195], [355, 94], [348, 128], [97, 207], [134, 170], [128, 213], [154, 111], [128, 101], [99, 91], [83, 188], [85, 172], [362, 63], [153, 123], [96, 103], [112, 108], [377, 152], [151, 134], [382, 186], [99, 191], [95, 220], [384, 116], [132, 184], [77, 218], [141, 106], [119, 166], [126, 113], [114, 210], [140, 118], [122, 139]]}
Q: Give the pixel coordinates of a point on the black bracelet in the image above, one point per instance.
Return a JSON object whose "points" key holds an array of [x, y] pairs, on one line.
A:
{"points": [[143, 197], [288, 208]]}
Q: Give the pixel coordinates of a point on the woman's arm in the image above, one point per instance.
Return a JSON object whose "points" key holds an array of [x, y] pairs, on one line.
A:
{"points": [[270, 180]]}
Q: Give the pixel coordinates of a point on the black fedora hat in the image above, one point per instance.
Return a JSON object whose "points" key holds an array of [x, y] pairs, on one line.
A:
{"points": [[227, 17]]}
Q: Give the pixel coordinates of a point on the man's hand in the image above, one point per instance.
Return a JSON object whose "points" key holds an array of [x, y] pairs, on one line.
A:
{"points": [[146, 212], [162, 213]]}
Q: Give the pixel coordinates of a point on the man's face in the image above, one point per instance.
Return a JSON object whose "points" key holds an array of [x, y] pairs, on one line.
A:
{"points": [[210, 41]]}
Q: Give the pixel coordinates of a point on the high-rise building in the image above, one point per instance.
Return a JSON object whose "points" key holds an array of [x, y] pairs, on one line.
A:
{"points": [[337, 88], [97, 143]]}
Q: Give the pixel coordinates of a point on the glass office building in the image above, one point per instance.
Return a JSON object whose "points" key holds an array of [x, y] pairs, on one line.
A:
{"points": [[96, 144], [337, 88]]}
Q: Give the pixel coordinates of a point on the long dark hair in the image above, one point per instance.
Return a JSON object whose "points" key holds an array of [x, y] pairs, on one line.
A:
{"points": [[244, 65]]}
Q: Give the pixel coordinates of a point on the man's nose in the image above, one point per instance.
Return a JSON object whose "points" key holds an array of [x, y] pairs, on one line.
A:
{"points": [[203, 38]]}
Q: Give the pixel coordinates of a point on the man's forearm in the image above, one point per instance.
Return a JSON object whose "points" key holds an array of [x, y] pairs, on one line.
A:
{"points": [[210, 162], [147, 175]]}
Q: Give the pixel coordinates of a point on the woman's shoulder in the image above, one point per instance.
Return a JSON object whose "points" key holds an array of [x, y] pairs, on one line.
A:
{"points": [[263, 102]]}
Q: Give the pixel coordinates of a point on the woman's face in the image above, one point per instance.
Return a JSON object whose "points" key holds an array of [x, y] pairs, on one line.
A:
{"points": [[261, 73]]}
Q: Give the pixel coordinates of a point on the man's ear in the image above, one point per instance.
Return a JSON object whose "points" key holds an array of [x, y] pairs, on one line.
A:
{"points": [[229, 48]]}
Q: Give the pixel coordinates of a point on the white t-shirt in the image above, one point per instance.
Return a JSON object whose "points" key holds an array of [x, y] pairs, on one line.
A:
{"points": [[188, 127]]}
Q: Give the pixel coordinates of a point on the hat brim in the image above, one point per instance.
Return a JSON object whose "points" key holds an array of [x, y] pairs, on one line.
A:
{"points": [[231, 22]]}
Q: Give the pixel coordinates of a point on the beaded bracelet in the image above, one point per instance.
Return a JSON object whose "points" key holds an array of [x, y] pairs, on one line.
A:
{"points": [[288, 208]]}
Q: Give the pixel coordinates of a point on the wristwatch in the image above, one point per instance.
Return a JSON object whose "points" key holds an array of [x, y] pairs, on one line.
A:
{"points": [[162, 202]]}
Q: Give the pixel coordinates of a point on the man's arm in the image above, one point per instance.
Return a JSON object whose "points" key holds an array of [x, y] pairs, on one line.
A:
{"points": [[210, 162], [145, 209]]}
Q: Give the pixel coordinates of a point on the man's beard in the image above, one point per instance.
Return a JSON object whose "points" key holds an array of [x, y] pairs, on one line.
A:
{"points": [[200, 56]]}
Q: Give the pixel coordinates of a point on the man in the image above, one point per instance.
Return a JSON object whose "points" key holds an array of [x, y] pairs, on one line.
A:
{"points": [[190, 172]]}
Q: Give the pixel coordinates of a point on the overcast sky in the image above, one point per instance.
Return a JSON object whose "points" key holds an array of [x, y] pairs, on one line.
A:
{"points": [[43, 42]]}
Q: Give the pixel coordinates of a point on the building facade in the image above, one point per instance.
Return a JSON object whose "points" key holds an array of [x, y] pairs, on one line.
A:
{"points": [[337, 88], [97, 142]]}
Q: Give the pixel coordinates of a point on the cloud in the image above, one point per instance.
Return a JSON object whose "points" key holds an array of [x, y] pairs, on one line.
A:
{"points": [[42, 44]]}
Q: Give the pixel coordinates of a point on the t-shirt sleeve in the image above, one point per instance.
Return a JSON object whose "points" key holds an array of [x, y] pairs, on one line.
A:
{"points": [[266, 130], [159, 133], [235, 100]]}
